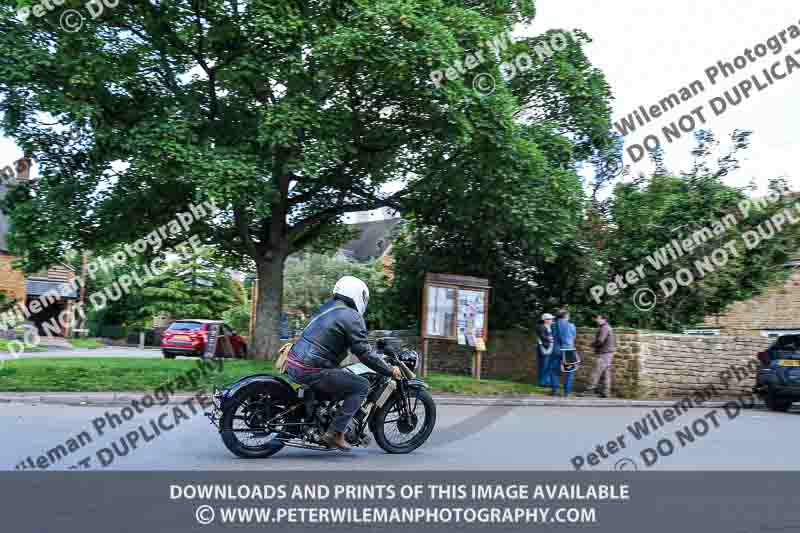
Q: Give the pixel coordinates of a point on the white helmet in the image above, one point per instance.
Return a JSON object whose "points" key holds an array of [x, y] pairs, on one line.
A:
{"points": [[355, 289]]}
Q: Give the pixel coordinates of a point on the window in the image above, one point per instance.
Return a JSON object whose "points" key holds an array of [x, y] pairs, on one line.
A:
{"points": [[788, 343], [186, 326]]}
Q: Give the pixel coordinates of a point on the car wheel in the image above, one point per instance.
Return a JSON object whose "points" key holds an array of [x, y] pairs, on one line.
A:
{"points": [[168, 355], [242, 352], [774, 403]]}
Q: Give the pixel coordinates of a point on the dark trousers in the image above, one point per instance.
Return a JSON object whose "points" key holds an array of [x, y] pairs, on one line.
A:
{"points": [[555, 369], [337, 383], [543, 368]]}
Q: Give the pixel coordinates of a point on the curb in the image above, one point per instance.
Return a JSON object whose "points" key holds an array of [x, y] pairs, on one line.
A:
{"points": [[89, 399]]}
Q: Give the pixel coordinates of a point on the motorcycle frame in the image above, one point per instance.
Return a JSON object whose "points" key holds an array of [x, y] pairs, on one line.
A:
{"points": [[407, 383]]}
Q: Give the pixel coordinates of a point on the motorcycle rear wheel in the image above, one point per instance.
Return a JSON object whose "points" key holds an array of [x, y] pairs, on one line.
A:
{"points": [[249, 408], [391, 431]]}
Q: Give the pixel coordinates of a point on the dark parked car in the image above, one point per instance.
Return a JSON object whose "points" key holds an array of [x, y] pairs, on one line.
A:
{"points": [[189, 337], [778, 380]]}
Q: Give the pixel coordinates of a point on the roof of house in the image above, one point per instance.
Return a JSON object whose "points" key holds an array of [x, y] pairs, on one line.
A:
{"points": [[374, 237]]}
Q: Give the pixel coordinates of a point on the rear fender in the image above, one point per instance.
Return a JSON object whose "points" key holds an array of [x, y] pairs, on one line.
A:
{"points": [[276, 385]]}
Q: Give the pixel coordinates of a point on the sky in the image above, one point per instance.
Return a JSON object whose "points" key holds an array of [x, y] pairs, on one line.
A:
{"points": [[649, 50]]}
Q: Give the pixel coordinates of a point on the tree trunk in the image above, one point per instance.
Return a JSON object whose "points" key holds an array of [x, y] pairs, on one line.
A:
{"points": [[266, 336]]}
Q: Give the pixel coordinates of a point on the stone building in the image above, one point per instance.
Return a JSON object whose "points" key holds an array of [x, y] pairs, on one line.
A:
{"points": [[774, 312]]}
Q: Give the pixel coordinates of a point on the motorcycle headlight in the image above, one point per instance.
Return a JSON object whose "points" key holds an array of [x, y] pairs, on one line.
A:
{"points": [[409, 358]]}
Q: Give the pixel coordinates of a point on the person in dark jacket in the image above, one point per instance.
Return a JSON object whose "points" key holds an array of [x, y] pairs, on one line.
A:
{"points": [[605, 344], [314, 359], [544, 349]]}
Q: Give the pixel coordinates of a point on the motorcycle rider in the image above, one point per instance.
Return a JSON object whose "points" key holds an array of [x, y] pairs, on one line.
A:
{"points": [[314, 359]]}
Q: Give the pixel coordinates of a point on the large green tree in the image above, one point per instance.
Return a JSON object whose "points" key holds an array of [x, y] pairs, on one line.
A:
{"points": [[287, 115], [599, 237], [645, 214]]}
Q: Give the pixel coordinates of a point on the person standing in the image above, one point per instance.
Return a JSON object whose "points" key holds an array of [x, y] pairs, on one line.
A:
{"points": [[544, 349], [604, 344], [564, 333]]}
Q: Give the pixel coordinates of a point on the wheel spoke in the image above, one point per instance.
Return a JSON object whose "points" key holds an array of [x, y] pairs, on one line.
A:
{"points": [[391, 429]]}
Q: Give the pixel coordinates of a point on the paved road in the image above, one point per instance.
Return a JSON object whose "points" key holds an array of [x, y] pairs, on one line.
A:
{"points": [[466, 437]]}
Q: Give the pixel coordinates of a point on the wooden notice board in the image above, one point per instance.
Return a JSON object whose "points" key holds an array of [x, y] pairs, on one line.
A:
{"points": [[455, 308]]}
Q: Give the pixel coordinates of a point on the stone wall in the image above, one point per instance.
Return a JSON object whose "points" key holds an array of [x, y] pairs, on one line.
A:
{"points": [[512, 355], [778, 307], [673, 366], [625, 380], [645, 365]]}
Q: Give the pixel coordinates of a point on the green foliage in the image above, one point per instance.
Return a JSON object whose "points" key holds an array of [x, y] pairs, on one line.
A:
{"points": [[566, 243], [646, 214], [287, 116], [5, 302], [124, 311], [190, 286], [120, 374], [309, 281], [238, 317]]}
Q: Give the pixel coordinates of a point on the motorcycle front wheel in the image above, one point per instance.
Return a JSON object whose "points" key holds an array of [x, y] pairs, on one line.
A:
{"points": [[251, 408], [396, 433]]}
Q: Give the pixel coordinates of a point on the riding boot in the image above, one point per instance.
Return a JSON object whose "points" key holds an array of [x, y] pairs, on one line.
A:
{"points": [[335, 439]]}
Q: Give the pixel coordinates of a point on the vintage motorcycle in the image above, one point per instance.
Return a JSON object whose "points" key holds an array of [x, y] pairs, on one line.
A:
{"points": [[258, 415]]}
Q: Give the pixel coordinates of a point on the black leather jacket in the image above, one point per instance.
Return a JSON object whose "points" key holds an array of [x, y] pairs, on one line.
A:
{"points": [[325, 342]]}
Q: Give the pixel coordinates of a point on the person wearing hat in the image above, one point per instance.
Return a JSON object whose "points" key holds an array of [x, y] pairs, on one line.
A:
{"points": [[544, 349]]}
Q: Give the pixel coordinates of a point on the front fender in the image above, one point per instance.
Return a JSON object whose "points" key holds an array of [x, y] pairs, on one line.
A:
{"points": [[277, 385], [416, 384]]}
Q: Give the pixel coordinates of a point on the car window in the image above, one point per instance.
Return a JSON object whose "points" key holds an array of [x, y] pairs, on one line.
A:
{"points": [[186, 326], [227, 329], [788, 342]]}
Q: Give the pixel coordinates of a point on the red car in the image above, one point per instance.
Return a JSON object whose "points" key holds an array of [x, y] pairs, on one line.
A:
{"points": [[188, 337]]}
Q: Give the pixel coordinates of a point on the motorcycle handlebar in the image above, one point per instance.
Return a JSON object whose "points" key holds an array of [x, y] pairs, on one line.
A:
{"points": [[407, 373]]}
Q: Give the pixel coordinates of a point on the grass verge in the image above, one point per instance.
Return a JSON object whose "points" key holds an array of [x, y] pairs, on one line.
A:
{"points": [[86, 344], [118, 374], [6, 343]]}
